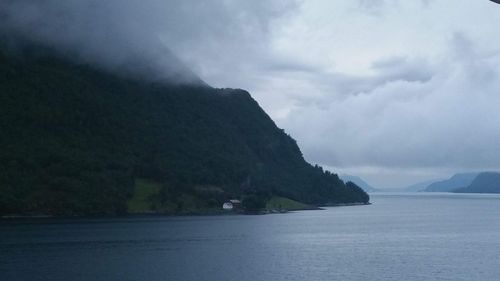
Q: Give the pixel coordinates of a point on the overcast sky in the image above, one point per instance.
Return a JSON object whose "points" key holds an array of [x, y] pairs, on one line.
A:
{"points": [[393, 91]]}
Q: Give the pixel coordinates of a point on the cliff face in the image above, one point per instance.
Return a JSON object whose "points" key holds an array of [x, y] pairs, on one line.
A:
{"points": [[75, 140]]}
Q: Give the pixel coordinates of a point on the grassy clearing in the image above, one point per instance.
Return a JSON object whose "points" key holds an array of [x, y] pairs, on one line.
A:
{"points": [[282, 203], [146, 200], [145, 192]]}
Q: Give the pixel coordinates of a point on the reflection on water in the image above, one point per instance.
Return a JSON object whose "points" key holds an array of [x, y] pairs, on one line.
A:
{"points": [[399, 237]]}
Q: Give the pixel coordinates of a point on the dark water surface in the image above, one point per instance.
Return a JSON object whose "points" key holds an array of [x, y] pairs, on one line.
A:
{"points": [[399, 237]]}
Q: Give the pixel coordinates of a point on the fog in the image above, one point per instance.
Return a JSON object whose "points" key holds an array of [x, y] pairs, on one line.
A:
{"points": [[136, 37]]}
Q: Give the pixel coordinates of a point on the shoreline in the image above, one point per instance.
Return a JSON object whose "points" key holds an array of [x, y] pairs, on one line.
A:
{"points": [[345, 204], [194, 213]]}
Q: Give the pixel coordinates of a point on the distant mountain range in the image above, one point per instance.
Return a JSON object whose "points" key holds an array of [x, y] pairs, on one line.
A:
{"points": [[359, 182], [488, 182], [420, 186], [369, 188], [456, 181], [485, 182]]}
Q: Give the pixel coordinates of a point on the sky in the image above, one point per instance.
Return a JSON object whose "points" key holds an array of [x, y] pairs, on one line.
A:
{"points": [[393, 91]]}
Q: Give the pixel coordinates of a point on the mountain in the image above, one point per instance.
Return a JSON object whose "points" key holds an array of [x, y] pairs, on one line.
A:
{"points": [[358, 181], [420, 186], [77, 140], [487, 182], [456, 181]]}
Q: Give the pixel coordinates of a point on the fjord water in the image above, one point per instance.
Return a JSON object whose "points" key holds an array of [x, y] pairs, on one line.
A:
{"points": [[399, 237]]}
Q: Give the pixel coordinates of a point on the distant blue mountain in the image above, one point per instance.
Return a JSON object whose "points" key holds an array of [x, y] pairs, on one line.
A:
{"points": [[488, 182], [359, 182], [455, 182], [421, 186]]}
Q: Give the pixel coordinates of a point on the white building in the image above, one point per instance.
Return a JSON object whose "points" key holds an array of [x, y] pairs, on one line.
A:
{"points": [[231, 204], [227, 206]]}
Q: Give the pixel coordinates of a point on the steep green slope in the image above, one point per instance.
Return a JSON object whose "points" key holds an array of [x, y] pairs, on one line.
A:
{"points": [[74, 140]]}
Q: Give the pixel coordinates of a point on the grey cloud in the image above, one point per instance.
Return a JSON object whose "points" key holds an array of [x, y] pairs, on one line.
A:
{"points": [[372, 4], [282, 65], [403, 68], [339, 86], [377, 7], [446, 121], [141, 36], [117, 35]]}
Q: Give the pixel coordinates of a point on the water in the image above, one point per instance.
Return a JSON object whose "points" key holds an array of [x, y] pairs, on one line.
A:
{"points": [[399, 237]]}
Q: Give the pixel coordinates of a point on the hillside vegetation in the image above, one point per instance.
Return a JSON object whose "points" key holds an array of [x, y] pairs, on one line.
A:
{"points": [[78, 141]]}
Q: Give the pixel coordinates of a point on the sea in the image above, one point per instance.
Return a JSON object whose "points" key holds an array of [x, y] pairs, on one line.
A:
{"points": [[400, 236]]}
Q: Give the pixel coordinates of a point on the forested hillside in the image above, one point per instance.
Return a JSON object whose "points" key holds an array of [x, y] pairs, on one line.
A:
{"points": [[75, 140]]}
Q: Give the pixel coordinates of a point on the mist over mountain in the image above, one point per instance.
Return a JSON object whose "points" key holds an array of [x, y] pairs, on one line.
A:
{"points": [[133, 38], [487, 182], [358, 181], [420, 186], [417, 187], [456, 181]]}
